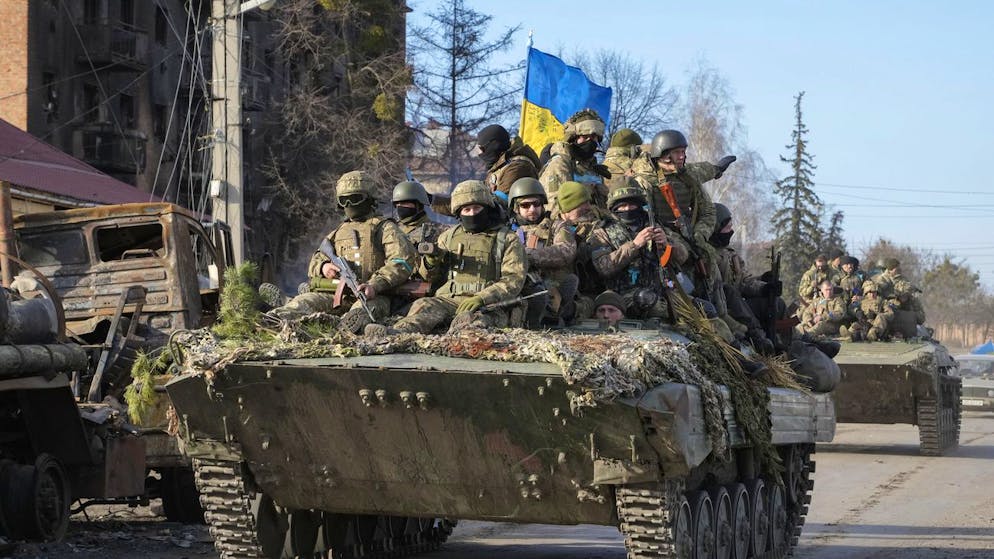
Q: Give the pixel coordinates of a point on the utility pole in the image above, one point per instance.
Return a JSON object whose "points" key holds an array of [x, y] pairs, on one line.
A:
{"points": [[226, 121]]}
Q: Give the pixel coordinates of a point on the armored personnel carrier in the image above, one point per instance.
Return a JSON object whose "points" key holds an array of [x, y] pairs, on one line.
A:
{"points": [[901, 382], [359, 449]]}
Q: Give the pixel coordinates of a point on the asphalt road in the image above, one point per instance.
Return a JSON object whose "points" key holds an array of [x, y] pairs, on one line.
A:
{"points": [[874, 498]]}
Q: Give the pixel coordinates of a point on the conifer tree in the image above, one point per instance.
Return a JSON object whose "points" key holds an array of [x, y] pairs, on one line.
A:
{"points": [[797, 223], [832, 238]]}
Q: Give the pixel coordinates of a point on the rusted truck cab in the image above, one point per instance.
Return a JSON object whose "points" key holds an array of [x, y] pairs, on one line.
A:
{"points": [[92, 255]]}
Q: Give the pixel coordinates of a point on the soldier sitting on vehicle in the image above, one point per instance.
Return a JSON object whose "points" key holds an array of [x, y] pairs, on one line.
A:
{"points": [[625, 148], [410, 200], [508, 159], [375, 249], [808, 288], [824, 315], [575, 159], [550, 246], [850, 280], [482, 261], [575, 209], [873, 317]]}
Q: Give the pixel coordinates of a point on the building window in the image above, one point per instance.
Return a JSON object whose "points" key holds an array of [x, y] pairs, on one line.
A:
{"points": [[127, 105], [91, 103], [128, 12], [51, 101], [160, 116], [91, 11], [161, 26]]}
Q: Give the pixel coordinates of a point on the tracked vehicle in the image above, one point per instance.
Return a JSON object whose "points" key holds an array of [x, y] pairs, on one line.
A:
{"points": [[902, 382], [356, 456]]}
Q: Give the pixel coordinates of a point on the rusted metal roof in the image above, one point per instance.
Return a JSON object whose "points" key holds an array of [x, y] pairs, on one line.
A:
{"points": [[78, 215], [29, 162]]}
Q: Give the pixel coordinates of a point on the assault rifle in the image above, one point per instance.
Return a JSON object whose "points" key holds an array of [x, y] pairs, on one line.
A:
{"points": [[682, 226], [510, 302], [772, 294], [661, 261], [346, 276]]}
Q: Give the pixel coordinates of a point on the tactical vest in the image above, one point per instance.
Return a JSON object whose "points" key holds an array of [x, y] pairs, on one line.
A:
{"points": [[475, 259], [683, 192], [361, 244], [424, 230], [641, 271]]}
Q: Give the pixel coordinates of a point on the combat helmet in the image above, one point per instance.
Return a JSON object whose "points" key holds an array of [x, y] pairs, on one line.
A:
{"points": [[665, 141], [583, 123], [722, 215], [869, 287], [408, 191], [354, 182], [632, 193], [526, 187], [471, 192]]}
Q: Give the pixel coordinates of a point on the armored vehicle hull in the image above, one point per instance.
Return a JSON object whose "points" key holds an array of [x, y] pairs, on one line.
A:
{"points": [[297, 457], [900, 382]]}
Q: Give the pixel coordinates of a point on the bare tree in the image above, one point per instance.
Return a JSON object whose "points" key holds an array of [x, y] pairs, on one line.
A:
{"points": [[458, 86], [641, 97], [712, 122]]}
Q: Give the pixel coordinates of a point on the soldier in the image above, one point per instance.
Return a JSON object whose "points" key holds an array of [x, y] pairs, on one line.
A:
{"points": [[609, 307], [625, 148], [889, 279], [739, 285], [824, 315], [550, 246], [874, 315], [624, 252], [375, 248], [409, 202], [482, 261], [575, 209], [507, 159], [574, 159], [820, 271], [850, 280], [835, 259], [908, 300], [683, 206]]}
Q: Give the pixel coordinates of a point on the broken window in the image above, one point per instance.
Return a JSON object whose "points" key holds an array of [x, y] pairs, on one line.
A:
{"points": [[53, 248], [131, 241]]}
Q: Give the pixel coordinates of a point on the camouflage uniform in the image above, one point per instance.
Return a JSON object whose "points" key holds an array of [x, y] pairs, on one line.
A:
{"points": [[626, 268], [619, 160], [877, 312], [824, 316], [512, 165], [562, 168], [489, 265], [420, 229], [550, 246], [807, 289], [851, 284], [379, 254]]}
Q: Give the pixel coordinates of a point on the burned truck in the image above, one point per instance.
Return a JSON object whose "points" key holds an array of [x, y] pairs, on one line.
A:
{"points": [[354, 447], [912, 382], [144, 270]]}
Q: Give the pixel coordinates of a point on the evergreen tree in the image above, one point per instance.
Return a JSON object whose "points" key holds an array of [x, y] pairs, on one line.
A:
{"points": [[797, 223], [832, 237]]}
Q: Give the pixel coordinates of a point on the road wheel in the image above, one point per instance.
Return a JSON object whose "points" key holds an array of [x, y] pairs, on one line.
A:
{"points": [[778, 519], [759, 528], [722, 505], [702, 513], [741, 510]]}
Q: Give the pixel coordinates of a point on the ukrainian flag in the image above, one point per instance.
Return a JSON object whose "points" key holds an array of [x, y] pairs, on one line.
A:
{"points": [[553, 92]]}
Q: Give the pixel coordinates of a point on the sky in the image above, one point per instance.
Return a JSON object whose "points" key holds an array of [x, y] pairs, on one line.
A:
{"points": [[899, 96]]}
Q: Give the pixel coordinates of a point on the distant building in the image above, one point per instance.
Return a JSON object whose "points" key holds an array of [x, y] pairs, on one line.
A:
{"points": [[430, 158]]}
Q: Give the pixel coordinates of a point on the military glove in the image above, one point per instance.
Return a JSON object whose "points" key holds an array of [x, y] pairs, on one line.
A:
{"points": [[469, 305], [723, 164]]}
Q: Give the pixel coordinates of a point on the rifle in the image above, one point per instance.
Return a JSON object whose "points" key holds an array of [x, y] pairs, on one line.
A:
{"points": [[665, 282], [681, 224], [346, 276], [510, 302], [772, 295]]}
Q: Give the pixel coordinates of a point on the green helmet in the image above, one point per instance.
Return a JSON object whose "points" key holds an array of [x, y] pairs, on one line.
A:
{"points": [[408, 191], [665, 141], [722, 215], [625, 137], [354, 182], [526, 187], [630, 193], [583, 123], [471, 192]]}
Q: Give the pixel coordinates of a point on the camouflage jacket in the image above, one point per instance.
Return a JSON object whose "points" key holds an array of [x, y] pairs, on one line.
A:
{"points": [[621, 264], [377, 250], [550, 246], [734, 273], [891, 284], [507, 169], [619, 160], [490, 264], [807, 289], [851, 284], [821, 309], [421, 230], [561, 168], [689, 193], [874, 305]]}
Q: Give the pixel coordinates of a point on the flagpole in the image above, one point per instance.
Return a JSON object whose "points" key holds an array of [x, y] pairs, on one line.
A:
{"points": [[524, 95]]}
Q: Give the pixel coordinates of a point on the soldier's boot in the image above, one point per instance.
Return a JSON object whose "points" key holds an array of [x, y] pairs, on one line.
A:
{"points": [[271, 295], [354, 320], [844, 331], [374, 330], [873, 335]]}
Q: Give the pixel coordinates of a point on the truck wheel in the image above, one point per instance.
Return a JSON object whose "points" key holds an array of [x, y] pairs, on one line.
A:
{"points": [[180, 499], [35, 499]]}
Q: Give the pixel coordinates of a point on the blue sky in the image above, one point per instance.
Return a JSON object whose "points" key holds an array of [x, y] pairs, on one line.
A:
{"points": [[899, 96]]}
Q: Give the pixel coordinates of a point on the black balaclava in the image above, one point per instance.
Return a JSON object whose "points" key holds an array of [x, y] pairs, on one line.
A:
{"points": [[479, 222], [494, 140], [409, 215], [634, 219], [720, 239], [360, 211], [584, 151]]}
